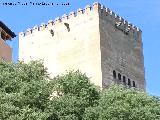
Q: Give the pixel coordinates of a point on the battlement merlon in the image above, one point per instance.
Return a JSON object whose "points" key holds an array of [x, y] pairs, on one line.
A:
{"points": [[102, 10]]}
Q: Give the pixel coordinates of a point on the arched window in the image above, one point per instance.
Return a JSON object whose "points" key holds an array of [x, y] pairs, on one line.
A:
{"points": [[134, 84], [119, 76], [114, 74], [124, 80], [129, 82]]}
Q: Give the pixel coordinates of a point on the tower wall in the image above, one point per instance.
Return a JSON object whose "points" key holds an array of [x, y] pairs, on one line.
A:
{"points": [[75, 47], [121, 51], [94, 40]]}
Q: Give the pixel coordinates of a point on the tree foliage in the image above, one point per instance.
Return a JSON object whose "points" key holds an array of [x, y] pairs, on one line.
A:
{"points": [[77, 94], [119, 103], [27, 93], [24, 91]]}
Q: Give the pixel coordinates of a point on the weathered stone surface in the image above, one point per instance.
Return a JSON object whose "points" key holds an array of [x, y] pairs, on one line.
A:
{"points": [[122, 53], [92, 42]]}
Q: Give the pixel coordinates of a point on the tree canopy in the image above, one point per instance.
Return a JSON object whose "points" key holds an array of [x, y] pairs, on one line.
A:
{"points": [[28, 93]]}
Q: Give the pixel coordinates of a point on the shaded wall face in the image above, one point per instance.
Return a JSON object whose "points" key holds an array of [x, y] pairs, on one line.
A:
{"points": [[121, 53], [76, 48], [5, 51]]}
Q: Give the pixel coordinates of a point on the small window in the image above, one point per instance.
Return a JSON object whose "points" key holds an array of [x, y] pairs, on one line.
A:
{"points": [[134, 84], [129, 82], [67, 26], [114, 74], [119, 76], [124, 80], [52, 32]]}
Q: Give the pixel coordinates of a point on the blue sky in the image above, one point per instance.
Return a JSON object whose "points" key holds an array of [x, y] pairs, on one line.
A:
{"points": [[143, 13]]}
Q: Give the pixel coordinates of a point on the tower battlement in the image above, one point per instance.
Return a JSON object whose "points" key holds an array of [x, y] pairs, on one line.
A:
{"points": [[102, 11], [94, 40]]}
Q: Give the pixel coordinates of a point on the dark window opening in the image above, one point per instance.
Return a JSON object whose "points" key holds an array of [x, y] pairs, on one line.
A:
{"points": [[134, 84], [124, 79], [114, 74], [67, 26], [119, 76], [52, 32], [129, 82]]}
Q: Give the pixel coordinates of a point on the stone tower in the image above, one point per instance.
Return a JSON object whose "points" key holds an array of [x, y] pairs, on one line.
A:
{"points": [[94, 40], [5, 49]]}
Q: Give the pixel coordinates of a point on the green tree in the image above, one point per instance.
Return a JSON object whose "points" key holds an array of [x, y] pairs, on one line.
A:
{"points": [[119, 103], [24, 91], [76, 94], [27, 93]]}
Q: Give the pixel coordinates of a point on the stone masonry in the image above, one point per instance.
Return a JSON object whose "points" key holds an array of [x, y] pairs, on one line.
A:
{"points": [[94, 40]]}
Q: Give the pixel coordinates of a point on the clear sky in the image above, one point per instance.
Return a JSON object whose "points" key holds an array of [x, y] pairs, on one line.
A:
{"points": [[143, 13]]}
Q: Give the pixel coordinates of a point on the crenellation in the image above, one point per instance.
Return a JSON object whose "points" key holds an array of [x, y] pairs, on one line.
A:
{"points": [[96, 7], [130, 25], [35, 28], [80, 11], [103, 8], [22, 34], [134, 28], [108, 11], [88, 8], [112, 14], [103, 11], [72, 14], [124, 22], [50, 23], [140, 31], [117, 18], [137, 29], [29, 31], [57, 20], [64, 17], [121, 19], [42, 27]]}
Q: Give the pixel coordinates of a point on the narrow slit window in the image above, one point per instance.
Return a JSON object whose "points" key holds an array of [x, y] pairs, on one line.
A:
{"points": [[129, 82], [134, 84], [114, 74], [119, 76], [124, 80]]}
